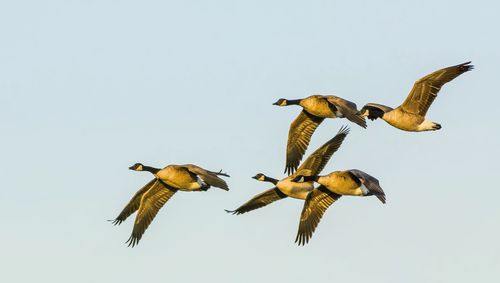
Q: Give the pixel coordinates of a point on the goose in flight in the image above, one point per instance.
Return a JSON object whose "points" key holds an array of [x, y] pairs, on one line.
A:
{"points": [[150, 198], [315, 109], [293, 185], [410, 116], [332, 186]]}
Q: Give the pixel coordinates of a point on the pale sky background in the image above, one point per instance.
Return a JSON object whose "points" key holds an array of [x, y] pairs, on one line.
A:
{"points": [[87, 88]]}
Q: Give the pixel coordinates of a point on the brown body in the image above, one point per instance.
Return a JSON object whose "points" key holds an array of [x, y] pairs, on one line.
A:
{"points": [[342, 183], [319, 106]]}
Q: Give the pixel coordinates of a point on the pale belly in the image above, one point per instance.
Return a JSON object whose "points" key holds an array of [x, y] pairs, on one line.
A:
{"points": [[347, 191], [295, 190], [403, 120]]}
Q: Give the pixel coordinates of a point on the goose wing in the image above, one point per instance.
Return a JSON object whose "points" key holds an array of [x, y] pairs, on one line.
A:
{"points": [[133, 204], [211, 178], [317, 202], [348, 109], [370, 182], [259, 201], [318, 159], [425, 90], [299, 136], [151, 202]]}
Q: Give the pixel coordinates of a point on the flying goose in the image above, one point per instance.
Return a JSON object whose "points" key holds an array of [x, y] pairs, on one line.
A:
{"points": [[150, 198], [293, 185], [332, 186], [315, 109], [410, 116]]}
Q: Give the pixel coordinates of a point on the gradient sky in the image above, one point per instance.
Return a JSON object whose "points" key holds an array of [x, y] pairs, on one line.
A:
{"points": [[87, 88]]}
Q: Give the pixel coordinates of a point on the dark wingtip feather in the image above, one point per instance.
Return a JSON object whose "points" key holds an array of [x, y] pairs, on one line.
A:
{"points": [[344, 130], [220, 173], [290, 169], [115, 221], [465, 67], [381, 198], [359, 120], [132, 241], [233, 212], [301, 240]]}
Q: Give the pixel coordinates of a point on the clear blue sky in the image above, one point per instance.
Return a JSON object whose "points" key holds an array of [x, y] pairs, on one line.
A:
{"points": [[87, 88]]}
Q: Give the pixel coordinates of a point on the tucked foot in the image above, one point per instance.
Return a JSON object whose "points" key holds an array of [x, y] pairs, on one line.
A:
{"points": [[436, 126]]}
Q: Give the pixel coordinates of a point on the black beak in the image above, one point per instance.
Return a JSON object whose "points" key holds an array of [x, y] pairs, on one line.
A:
{"points": [[276, 103], [255, 177], [131, 168]]}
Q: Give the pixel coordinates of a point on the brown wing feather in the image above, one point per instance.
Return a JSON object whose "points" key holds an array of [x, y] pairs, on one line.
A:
{"points": [[425, 90], [318, 159], [133, 204], [299, 137], [259, 201], [209, 177], [348, 109], [317, 202], [151, 202]]}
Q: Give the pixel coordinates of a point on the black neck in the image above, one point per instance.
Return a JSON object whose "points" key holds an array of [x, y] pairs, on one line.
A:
{"points": [[310, 178], [293, 102], [269, 179], [150, 169]]}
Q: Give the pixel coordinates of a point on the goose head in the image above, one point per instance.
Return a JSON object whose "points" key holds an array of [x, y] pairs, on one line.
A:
{"points": [[137, 167], [363, 112], [260, 177], [263, 178], [281, 102]]}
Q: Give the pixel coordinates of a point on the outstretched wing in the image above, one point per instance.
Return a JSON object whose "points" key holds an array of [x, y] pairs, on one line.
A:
{"points": [[209, 177], [151, 202], [425, 90], [318, 159], [259, 201], [299, 136], [317, 202], [348, 109], [133, 204]]}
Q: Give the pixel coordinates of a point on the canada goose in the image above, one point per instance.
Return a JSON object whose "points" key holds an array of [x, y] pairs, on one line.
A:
{"points": [[294, 185], [150, 198], [332, 186], [315, 109], [410, 116]]}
